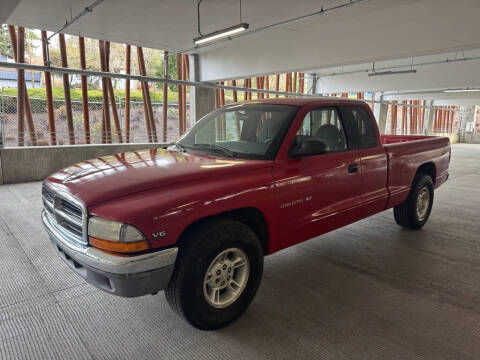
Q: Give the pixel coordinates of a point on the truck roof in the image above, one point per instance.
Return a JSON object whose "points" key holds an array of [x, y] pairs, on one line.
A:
{"points": [[302, 101]]}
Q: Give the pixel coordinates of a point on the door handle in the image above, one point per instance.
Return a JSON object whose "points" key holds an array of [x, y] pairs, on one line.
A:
{"points": [[352, 168]]}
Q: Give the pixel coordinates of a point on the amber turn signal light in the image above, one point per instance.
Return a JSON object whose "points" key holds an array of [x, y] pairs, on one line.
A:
{"points": [[119, 246]]}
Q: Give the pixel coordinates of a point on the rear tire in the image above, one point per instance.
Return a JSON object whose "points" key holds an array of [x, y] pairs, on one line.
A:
{"points": [[217, 274], [415, 211]]}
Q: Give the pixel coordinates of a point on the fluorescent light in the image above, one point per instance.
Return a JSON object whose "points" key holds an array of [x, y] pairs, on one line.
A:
{"points": [[377, 73], [460, 90], [220, 34]]}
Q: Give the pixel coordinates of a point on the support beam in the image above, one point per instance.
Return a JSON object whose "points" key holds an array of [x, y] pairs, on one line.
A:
{"points": [[202, 100], [48, 90], [26, 101], [21, 89], [430, 116], [111, 95], [106, 126], [147, 100], [85, 110], [277, 84], [128, 57], [235, 97], [184, 92], [180, 95], [165, 98], [66, 90]]}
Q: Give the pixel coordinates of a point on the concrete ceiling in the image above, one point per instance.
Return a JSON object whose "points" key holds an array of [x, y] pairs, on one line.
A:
{"points": [[374, 30], [388, 32]]}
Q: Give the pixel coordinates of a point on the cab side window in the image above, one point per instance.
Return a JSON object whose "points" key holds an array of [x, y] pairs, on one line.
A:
{"points": [[359, 127], [323, 124]]}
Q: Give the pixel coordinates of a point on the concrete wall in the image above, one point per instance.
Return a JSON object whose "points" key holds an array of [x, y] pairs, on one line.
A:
{"points": [[36, 163], [471, 138], [454, 138]]}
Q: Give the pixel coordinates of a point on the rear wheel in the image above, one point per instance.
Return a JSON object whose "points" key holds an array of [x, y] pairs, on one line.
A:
{"points": [[217, 274], [414, 212]]}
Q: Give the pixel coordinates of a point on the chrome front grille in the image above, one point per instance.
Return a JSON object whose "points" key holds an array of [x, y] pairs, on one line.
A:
{"points": [[66, 213]]}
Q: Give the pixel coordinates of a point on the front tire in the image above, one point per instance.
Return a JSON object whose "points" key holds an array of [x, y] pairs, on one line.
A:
{"points": [[415, 211], [217, 275]]}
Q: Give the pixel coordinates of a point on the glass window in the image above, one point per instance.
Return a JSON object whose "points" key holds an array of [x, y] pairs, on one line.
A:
{"points": [[359, 126], [323, 124], [249, 130]]}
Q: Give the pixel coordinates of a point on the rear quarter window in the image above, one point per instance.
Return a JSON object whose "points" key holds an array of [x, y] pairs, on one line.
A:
{"points": [[358, 124]]}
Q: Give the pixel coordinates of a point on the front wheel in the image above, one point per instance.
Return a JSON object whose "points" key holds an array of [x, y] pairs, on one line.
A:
{"points": [[414, 212], [217, 275]]}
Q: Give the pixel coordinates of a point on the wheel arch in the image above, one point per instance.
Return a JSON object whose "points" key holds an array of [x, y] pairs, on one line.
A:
{"points": [[427, 168], [250, 216]]}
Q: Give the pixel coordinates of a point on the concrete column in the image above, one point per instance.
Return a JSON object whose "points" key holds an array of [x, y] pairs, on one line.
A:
{"points": [[311, 83], [202, 100], [380, 113], [429, 117]]}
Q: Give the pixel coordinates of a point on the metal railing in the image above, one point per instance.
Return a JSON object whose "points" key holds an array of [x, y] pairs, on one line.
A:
{"points": [[138, 131]]}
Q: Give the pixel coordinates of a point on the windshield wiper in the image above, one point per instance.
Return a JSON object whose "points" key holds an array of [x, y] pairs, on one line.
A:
{"points": [[222, 149]]}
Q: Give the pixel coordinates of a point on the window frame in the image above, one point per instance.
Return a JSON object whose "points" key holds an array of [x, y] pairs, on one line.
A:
{"points": [[355, 140], [340, 119]]}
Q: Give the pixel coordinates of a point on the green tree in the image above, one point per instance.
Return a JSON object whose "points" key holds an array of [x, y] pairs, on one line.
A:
{"points": [[6, 45]]}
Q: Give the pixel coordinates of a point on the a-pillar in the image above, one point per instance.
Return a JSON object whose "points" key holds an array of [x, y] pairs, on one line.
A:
{"points": [[202, 99]]}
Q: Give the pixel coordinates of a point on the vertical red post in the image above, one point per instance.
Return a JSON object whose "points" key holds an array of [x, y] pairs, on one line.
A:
{"points": [[267, 85], [301, 83], [21, 88], [294, 88], [26, 100], [222, 95], [106, 126], [128, 56], [66, 90], [111, 95], [404, 118], [180, 95], [48, 90], [235, 97], [277, 84], [86, 115], [165, 97], [185, 70], [146, 93]]}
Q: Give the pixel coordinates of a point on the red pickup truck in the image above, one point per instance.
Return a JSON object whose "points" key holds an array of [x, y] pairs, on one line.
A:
{"points": [[196, 219]]}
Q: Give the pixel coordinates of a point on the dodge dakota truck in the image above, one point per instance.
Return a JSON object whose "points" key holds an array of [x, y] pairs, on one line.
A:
{"points": [[196, 218]]}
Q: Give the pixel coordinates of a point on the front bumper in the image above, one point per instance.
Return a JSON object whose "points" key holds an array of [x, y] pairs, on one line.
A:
{"points": [[127, 276]]}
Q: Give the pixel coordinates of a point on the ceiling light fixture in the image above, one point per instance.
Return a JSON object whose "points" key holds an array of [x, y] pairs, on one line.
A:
{"points": [[412, 71], [220, 34], [460, 90]]}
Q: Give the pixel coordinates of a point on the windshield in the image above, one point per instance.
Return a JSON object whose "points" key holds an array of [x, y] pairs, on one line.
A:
{"points": [[248, 130]]}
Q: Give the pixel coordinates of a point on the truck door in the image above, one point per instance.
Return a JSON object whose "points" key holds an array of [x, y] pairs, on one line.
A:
{"points": [[316, 193], [373, 159]]}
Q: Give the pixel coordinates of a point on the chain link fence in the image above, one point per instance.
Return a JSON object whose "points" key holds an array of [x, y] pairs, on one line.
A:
{"points": [[138, 129]]}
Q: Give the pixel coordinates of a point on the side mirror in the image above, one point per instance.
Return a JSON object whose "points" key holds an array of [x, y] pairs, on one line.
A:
{"points": [[309, 146]]}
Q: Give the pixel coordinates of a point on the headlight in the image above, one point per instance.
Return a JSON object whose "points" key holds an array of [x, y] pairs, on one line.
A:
{"points": [[115, 236]]}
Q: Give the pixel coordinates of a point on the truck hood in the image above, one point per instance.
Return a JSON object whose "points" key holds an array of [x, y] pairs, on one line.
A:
{"points": [[108, 177]]}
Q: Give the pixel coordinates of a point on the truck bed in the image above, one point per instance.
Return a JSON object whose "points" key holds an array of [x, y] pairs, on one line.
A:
{"points": [[392, 139], [406, 153]]}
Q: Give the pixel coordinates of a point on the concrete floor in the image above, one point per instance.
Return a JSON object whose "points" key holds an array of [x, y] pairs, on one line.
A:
{"points": [[368, 291]]}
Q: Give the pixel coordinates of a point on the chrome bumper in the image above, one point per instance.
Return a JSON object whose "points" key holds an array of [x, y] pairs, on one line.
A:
{"points": [[124, 276]]}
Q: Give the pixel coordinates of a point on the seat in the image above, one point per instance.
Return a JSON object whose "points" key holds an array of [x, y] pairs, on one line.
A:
{"points": [[331, 136]]}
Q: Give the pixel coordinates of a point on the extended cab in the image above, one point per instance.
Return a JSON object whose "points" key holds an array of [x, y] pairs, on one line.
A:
{"points": [[196, 219]]}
